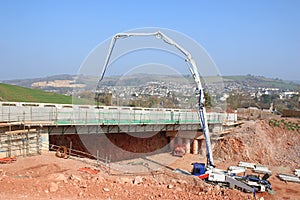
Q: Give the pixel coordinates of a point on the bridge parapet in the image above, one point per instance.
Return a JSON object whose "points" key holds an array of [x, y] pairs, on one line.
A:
{"points": [[68, 114]]}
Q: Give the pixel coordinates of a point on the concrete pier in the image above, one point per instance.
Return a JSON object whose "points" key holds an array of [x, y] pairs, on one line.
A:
{"points": [[188, 145], [179, 141], [195, 146], [172, 143]]}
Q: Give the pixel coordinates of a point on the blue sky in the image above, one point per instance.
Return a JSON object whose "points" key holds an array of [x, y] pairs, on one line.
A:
{"points": [[43, 38]]}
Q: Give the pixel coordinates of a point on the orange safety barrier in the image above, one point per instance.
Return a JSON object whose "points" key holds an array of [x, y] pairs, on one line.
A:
{"points": [[7, 160], [88, 170]]}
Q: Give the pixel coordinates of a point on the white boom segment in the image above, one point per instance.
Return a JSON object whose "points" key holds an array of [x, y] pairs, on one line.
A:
{"points": [[193, 69]]}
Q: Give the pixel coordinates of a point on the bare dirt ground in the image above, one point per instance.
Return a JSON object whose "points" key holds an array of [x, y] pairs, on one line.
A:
{"points": [[259, 142], [49, 177]]}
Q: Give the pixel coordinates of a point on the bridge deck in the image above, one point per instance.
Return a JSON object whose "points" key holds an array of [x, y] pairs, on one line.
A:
{"points": [[80, 115]]}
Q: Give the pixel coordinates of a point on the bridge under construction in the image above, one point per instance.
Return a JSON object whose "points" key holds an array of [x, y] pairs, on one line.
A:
{"points": [[117, 132]]}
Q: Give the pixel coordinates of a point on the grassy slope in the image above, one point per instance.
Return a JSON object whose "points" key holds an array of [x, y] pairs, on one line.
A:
{"points": [[21, 94]]}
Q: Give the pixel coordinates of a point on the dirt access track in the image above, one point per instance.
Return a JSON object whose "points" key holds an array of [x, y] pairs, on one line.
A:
{"points": [[48, 177]]}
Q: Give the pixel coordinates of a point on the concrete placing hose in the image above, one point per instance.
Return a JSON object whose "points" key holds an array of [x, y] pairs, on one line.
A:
{"points": [[61, 152]]}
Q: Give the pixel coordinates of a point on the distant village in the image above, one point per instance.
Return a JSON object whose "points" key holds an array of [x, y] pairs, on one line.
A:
{"points": [[181, 94]]}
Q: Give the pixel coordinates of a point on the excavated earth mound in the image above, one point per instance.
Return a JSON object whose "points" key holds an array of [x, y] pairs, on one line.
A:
{"points": [[262, 142], [274, 143]]}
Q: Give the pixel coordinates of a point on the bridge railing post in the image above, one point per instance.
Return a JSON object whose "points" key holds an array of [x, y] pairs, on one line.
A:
{"points": [[140, 118], [98, 116], [56, 115], [30, 113], [86, 117], [9, 113], [119, 117]]}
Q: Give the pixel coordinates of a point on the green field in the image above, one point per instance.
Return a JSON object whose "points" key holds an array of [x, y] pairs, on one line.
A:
{"points": [[21, 94]]}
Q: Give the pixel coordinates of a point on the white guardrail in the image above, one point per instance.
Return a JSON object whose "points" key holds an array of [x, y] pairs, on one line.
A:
{"points": [[69, 113]]}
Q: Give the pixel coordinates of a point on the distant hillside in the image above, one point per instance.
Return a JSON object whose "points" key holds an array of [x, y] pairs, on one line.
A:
{"points": [[29, 82], [248, 81], [297, 82], [21, 94], [260, 81]]}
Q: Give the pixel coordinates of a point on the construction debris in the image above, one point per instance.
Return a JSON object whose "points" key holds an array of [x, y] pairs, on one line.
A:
{"points": [[287, 177], [247, 165], [236, 170], [61, 152], [88, 170], [7, 160], [255, 167], [291, 178], [297, 172], [262, 169]]}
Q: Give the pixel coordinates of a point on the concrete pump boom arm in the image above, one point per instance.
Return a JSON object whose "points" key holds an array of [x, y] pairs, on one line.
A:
{"points": [[193, 69]]}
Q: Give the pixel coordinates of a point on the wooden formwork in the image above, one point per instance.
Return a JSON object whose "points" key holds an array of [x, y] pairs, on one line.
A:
{"points": [[23, 142]]}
